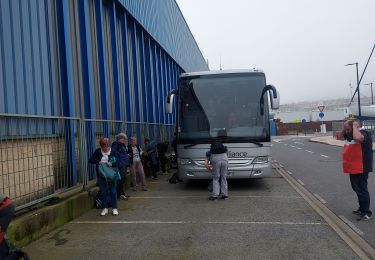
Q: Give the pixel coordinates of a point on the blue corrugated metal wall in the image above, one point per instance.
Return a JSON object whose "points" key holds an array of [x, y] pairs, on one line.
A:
{"points": [[102, 59], [164, 22], [29, 82]]}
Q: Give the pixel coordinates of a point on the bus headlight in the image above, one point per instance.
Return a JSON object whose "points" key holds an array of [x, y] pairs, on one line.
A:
{"points": [[182, 161], [261, 160]]}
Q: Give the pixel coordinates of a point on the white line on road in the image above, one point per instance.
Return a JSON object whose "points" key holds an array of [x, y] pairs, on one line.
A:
{"points": [[200, 222], [205, 197], [309, 151], [299, 143], [350, 224], [320, 198], [299, 148], [325, 156], [301, 182], [290, 172]]}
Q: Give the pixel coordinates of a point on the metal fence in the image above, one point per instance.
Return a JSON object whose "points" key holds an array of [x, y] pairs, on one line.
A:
{"points": [[42, 156]]}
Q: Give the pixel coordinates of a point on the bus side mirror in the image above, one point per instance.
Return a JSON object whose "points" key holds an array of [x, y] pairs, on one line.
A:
{"points": [[275, 99], [274, 96], [170, 100]]}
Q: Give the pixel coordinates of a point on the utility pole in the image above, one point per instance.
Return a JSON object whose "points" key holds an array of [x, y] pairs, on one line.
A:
{"points": [[372, 94], [359, 96]]}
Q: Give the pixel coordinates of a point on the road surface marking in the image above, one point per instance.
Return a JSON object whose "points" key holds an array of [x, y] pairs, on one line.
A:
{"points": [[350, 224], [290, 172], [309, 151], [205, 197], [320, 198], [325, 156], [299, 148], [286, 144], [292, 146], [299, 143], [200, 222], [301, 182]]}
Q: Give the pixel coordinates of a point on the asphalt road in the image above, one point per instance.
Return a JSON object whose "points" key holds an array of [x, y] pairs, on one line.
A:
{"points": [[263, 219], [318, 167]]}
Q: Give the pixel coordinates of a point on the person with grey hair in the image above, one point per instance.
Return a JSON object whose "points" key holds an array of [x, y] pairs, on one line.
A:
{"points": [[135, 153], [124, 163]]}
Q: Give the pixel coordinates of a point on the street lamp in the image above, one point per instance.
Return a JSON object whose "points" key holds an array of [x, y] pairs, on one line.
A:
{"points": [[359, 97], [372, 94]]}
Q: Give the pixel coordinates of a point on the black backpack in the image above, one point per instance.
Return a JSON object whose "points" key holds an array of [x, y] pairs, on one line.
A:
{"points": [[98, 201], [174, 179]]}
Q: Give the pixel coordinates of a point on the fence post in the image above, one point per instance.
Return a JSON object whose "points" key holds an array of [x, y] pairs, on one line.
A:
{"points": [[83, 161]]}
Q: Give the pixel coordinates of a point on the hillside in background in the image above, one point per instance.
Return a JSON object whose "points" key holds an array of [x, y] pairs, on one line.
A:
{"points": [[330, 104]]}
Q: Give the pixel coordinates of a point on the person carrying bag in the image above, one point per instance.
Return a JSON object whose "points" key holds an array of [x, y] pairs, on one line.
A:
{"points": [[106, 161]]}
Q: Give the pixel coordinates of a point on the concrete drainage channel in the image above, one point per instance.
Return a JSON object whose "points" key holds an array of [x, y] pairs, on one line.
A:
{"points": [[356, 242]]}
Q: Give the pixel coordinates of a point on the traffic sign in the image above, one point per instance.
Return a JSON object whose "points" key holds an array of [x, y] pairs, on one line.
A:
{"points": [[321, 108], [321, 114]]}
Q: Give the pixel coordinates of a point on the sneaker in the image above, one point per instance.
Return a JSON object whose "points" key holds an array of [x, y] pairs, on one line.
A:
{"points": [[104, 212], [154, 178], [224, 197], [358, 212], [365, 217], [127, 195], [123, 197], [144, 188], [114, 212], [213, 198]]}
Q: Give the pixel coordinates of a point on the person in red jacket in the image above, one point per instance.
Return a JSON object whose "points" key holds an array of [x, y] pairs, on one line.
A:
{"points": [[357, 158]]}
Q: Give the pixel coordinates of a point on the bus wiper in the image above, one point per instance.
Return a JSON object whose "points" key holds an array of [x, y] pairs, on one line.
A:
{"points": [[189, 145], [198, 141], [245, 139], [255, 142]]}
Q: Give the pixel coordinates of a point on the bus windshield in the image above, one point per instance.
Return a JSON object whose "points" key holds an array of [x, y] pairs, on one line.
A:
{"points": [[223, 106]]}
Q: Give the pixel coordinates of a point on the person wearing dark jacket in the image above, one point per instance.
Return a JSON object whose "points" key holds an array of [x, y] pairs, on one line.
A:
{"points": [[162, 149], [217, 163], [119, 146], [108, 156], [357, 158]]}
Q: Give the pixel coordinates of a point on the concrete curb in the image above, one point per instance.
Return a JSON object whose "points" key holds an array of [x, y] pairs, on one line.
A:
{"points": [[31, 226], [360, 246], [313, 140], [316, 140]]}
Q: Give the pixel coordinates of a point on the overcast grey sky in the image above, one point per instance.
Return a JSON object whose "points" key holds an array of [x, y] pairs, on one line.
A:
{"points": [[302, 45]]}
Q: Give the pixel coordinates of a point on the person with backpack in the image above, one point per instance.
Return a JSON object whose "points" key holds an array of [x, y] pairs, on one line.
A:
{"points": [[217, 163], [151, 155], [162, 149], [123, 163], [106, 159], [7, 250], [135, 153]]}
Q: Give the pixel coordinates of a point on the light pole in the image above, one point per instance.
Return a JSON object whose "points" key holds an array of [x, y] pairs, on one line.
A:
{"points": [[372, 94], [351, 88], [359, 96]]}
